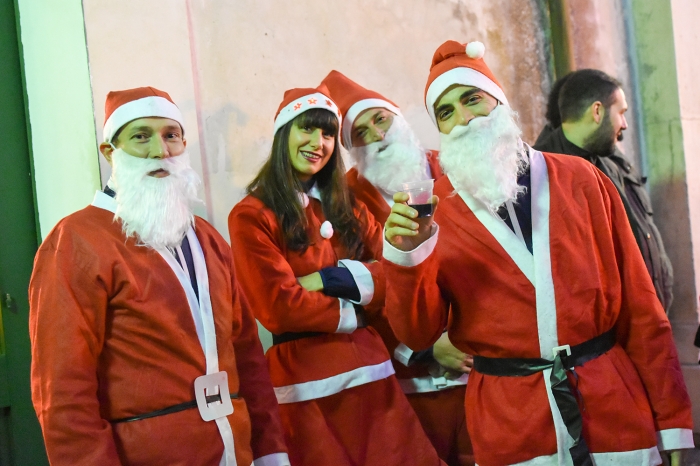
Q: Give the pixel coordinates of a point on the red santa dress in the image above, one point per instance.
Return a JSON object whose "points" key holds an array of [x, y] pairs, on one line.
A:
{"points": [[437, 401], [339, 401], [113, 327], [584, 278]]}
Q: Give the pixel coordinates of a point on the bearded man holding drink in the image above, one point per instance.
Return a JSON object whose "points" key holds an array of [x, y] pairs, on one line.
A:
{"points": [[574, 359]]}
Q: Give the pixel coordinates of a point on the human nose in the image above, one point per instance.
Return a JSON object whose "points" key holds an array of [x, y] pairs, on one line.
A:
{"points": [[624, 122], [463, 116], [316, 139], [377, 134], [159, 149]]}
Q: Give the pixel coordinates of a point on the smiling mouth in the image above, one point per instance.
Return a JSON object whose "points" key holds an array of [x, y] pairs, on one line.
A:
{"points": [[311, 157], [160, 173]]}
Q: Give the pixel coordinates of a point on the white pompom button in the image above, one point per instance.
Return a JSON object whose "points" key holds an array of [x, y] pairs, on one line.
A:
{"points": [[476, 50], [326, 229], [304, 199]]}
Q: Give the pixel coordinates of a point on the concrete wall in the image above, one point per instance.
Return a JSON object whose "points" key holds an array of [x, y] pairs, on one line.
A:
{"points": [[686, 36], [59, 106]]}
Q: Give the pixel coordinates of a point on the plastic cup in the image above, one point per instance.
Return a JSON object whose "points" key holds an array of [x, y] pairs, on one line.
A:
{"points": [[420, 195]]}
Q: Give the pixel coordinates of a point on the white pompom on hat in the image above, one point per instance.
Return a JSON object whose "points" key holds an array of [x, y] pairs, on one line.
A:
{"points": [[475, 49]]}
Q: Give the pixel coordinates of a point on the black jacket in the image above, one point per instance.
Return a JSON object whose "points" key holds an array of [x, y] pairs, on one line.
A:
{"points": [[637, 205]]}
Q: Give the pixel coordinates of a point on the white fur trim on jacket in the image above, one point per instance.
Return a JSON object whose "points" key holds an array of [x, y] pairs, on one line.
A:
{"points": [[334, 384], [363, 279], [274, 459], [414, 257]]}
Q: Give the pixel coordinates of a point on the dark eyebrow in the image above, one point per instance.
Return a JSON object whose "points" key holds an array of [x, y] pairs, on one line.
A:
{"points": [[136, 129], [173, 128], [358, 128], [470, 93], [443, 107]]}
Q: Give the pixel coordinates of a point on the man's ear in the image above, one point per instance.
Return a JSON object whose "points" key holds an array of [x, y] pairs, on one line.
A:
{"points": [[106, 150], [597, 111], [184, 142]]}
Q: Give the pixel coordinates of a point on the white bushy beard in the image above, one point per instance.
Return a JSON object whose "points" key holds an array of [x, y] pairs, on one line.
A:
{"points": [[156, 211], [485, 157], [399, 158]]}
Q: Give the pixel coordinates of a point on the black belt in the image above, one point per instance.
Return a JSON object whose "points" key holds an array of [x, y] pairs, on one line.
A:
{"points": [[291, 336], [561, 388], [173, 409]]}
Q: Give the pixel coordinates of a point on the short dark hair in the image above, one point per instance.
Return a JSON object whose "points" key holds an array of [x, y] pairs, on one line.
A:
{"points": [[553, 116], [581, 89]]}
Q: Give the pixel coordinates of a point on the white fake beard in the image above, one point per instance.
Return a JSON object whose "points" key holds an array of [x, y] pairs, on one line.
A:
{"points": [[485, 157], [156, 211], [399, 158]]}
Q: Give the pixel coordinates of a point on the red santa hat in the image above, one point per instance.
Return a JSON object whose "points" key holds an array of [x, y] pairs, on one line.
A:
{"points": [[299, 100], [353, 99], [455, 63], [122, 107]]}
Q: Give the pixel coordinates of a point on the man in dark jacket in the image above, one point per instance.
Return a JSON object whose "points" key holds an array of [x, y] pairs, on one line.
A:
{"points": [[592, 110]]}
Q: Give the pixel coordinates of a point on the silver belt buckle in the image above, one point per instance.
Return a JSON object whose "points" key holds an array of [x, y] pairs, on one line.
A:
{"points": [[557, 349], [208, 385], [565, 348]]}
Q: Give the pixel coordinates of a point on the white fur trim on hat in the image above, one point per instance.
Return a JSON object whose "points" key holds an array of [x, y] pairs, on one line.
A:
{"points": [[151, 106], [359, 107], [303, 104], [466, 77]]}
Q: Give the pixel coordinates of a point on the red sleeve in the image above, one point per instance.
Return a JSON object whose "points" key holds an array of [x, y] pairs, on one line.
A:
{"points": [[68, 303], [255, 385], [642, 327], [268, 281], [415, 307], [373, 235]]}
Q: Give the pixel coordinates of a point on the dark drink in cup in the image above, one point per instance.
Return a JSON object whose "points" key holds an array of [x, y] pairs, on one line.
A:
{"points": [[424, 210], [420, 195]]}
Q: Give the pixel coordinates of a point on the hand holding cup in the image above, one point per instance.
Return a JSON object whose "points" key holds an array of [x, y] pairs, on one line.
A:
{"points": [[405, 227]]}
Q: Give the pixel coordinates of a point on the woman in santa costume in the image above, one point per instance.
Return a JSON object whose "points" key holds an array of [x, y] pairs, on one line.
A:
{"points": [[305, 250]]}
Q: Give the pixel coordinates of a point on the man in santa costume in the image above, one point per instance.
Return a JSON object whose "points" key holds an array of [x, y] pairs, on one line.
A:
{"points": [[143, 352], [574, 359], [385, 149]]}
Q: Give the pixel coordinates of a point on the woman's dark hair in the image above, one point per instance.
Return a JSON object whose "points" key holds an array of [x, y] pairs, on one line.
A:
{"points": [[277, 185]]}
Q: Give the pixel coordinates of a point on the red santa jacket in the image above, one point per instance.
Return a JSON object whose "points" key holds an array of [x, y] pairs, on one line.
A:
{"points": [[318, 366], [585, 277], [113, 336]]}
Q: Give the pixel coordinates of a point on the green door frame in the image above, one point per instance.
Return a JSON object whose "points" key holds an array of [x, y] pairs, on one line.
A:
{"points": [[21, 442]]}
